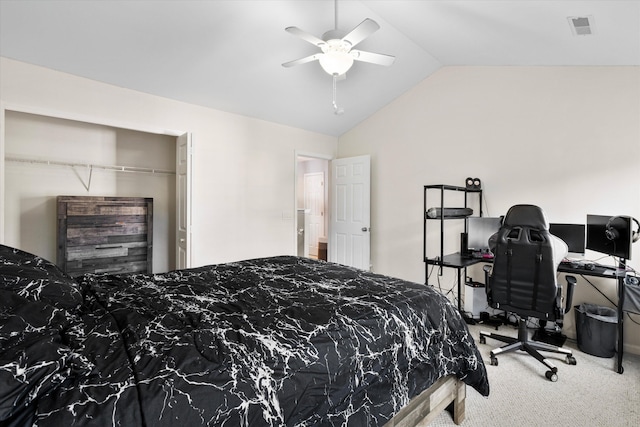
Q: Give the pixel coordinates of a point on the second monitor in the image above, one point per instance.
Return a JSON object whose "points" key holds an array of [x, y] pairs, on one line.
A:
{"points": [[479, 229], [573, 235]]}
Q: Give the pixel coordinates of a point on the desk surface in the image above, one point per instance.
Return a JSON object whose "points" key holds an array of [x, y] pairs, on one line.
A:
{"points": [[457, 260]]}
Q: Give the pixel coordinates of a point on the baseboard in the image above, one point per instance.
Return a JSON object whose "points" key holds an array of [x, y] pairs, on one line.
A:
{"points": [[631, 348]]}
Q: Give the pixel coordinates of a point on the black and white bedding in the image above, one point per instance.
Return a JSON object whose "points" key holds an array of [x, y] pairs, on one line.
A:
{"points": [[264, 342]]}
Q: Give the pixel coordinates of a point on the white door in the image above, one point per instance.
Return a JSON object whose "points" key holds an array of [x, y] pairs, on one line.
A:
{"points": [[314, 205], [183, 198], [350, 239]]}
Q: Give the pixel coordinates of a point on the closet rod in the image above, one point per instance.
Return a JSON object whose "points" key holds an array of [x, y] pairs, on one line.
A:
{"points": [[91, 166]]}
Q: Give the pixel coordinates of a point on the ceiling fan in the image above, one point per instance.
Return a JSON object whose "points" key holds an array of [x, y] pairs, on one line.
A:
{"points": [[337, 50]]}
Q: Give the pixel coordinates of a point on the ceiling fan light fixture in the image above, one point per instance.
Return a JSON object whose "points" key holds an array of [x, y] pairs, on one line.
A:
{"points": [[336, 63], [336, 59]]}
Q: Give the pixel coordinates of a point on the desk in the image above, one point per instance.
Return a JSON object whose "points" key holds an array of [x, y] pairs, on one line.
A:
{"points": [[460, 262], [608, 272]]}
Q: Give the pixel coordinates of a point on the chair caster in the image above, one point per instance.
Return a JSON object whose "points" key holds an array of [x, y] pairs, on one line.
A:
{"points": [[571, 360], [483, 340], [494, 361], [551, 376]]}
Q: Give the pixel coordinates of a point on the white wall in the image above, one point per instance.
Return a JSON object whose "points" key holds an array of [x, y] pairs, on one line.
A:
{"points": [[564, 138], [244, 169]]}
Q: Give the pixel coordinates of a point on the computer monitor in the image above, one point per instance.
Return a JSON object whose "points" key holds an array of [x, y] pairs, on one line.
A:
{"points": [[610, 235], [573, 235], [479, 229]]}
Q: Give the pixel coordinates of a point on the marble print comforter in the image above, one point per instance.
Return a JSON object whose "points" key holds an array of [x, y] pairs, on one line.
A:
{"points": [[265, 342]]}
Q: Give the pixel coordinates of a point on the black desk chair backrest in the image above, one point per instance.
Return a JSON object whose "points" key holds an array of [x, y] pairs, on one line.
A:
{"points": [[523, 278], [523, 281]]}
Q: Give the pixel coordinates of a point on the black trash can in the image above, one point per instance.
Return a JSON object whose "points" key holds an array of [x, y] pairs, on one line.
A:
{"points": [[596, 329]]}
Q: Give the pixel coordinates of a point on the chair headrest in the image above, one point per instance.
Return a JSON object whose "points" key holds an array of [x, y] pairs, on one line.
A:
{"points": [[526, 216]]}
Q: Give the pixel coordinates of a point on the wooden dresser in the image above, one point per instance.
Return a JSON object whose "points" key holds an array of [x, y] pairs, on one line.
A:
{"points": [[105, 234]]}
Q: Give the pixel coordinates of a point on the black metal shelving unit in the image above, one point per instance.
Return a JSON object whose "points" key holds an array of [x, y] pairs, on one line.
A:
{"points": [[454, 260]]}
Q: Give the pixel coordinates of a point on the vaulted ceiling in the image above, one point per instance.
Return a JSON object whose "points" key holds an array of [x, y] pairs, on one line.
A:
{"points": [[227, 55]]}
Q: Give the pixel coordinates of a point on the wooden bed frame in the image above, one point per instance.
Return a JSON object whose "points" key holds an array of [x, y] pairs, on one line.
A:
{"points": [[447, 393]]}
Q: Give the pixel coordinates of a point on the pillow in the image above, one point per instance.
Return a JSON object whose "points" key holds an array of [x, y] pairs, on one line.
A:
{"points": [[37, 279]]}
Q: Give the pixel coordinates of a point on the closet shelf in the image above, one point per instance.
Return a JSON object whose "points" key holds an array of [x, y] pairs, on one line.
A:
{"points": [[134, 169]]}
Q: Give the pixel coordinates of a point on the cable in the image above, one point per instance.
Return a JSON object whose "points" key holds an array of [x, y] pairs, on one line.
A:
{"points": [[486, 205], [597, 289], [430, 272], [631, 318]]}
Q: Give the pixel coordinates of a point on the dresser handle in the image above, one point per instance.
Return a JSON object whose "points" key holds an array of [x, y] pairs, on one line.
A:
{"points": [[108, 270], [109, 247]]}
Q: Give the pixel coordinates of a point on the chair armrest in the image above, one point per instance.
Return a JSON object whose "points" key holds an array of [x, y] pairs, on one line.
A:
{"points": [[487, 284], [571, 284], [487, 275]]}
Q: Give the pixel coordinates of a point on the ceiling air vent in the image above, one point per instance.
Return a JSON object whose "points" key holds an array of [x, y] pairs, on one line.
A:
{"points": [[581, 25]]}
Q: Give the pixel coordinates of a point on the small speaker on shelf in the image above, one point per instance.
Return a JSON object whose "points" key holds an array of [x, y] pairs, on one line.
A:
{"points": [[473, 183]]}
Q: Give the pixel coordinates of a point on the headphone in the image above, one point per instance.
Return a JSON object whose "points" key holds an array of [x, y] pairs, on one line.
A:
{"points": [[613, 234]]}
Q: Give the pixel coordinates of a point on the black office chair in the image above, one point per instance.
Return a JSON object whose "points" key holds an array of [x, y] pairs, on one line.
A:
{"points": [[523, 281]]}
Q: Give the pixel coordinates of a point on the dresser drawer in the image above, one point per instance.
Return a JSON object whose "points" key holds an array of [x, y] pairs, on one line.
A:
{"points": [[130, 263], [84, 234]]}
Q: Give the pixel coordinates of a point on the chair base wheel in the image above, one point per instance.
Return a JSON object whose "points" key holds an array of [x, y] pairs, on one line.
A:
{"points": [[494, 361], [551, 376], [571, 360]]}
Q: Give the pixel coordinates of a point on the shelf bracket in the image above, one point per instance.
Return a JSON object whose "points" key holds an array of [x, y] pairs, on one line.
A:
{"points": [[87, 186]]}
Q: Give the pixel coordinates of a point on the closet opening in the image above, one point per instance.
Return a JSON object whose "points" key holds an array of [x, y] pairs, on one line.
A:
{"points": [[45, 156]]}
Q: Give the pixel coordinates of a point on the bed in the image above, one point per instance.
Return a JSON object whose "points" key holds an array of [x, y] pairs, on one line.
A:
{"points": [[264, 342]]}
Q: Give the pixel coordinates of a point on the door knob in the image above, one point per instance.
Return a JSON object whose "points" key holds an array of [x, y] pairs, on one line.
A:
{"points": [[365, 229]]}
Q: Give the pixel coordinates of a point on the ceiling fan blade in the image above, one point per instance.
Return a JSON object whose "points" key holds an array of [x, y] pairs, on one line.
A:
{"points": [[302, 60], [374, 58], [362, 31], [305, 36]]}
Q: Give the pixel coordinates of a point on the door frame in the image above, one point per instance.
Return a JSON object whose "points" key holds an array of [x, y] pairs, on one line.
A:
{"points": [[320, 156], [4, 107]]}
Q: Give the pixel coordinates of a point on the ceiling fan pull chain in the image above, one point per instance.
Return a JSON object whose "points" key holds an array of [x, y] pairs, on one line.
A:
{"points": [[336, 110]]}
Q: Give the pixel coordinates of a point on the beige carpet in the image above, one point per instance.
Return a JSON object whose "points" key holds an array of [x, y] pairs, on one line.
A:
{"points": [[590, 393]]}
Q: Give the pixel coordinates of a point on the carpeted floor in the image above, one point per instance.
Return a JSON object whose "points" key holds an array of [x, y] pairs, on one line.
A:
{"points": [[590, 393]]}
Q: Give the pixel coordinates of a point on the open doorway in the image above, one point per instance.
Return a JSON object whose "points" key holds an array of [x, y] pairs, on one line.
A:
{"points": [[312, 202]]}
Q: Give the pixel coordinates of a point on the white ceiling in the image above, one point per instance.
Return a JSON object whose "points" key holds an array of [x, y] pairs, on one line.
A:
{"points": [[227, 55]]}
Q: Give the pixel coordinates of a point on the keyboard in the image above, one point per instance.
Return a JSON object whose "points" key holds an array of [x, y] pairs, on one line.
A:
{"points": [[588, 266]]}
